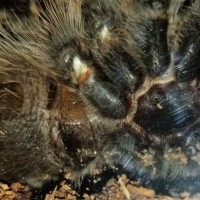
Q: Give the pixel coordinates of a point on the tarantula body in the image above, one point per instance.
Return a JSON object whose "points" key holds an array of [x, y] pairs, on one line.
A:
{"points": [[116, 84]]}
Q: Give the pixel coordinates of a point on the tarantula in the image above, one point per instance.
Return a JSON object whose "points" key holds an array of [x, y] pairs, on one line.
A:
{"points": [[88, 84]]}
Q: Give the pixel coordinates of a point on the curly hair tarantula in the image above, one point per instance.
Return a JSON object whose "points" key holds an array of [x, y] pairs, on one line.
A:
{"points": [[86, 84]]}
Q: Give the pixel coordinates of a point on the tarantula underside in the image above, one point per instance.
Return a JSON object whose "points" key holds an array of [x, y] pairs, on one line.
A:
{"points": [[87, 84]]}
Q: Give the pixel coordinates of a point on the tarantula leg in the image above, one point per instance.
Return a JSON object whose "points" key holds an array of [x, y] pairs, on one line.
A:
{"points": [[122, 149], [183, 39]]}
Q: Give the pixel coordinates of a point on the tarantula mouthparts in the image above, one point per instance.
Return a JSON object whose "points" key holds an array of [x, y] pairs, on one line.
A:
{"points": [[86, 84]]}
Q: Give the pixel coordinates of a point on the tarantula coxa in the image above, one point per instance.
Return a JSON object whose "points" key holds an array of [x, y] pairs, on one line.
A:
{"points": [[86, 84]]}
